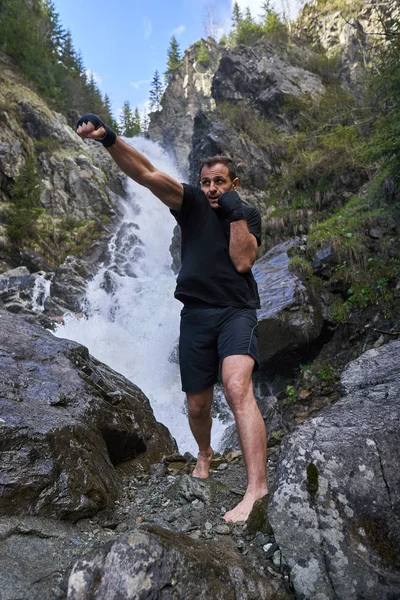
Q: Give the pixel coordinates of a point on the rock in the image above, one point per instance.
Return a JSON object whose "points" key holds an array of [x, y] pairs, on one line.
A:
{"points": [[67, 419], [290, 316], [33, 554], [258, 518], [190, 488], [155, 563], [188, 91], [68, 287], [258, 76], [335, 511]]}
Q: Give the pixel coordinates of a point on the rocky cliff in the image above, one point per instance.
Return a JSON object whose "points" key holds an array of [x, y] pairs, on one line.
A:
{"points": [[78, 183]]}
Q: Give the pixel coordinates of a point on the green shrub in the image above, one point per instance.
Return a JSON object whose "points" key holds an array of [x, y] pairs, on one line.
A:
{"points": [[203, 56]]}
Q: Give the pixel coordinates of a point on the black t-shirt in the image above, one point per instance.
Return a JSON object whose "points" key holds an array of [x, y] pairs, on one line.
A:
{"points": [[207, 275]]}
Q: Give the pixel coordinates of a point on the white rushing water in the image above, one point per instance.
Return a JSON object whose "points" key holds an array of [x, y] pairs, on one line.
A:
{"points": [[132, 317]]}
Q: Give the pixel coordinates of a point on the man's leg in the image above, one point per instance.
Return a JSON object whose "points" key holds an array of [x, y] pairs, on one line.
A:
{"points": [[237, 378], [200, 421]]}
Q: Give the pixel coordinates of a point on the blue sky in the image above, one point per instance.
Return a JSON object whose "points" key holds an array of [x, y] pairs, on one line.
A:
{"points": [[123, 42]]}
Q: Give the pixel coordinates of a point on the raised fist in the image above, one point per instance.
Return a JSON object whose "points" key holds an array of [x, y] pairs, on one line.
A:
{"points": [[92, 127]]}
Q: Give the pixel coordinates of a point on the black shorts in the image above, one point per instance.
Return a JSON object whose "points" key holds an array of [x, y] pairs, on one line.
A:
{"points": [[210, 334]]}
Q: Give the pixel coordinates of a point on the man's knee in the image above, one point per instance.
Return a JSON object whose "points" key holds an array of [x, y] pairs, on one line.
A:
{"points": [[199, 405], [236, 376], [238, 390]]}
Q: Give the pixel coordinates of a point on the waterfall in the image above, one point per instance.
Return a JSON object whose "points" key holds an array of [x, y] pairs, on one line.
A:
{"points": [[131, 318]]}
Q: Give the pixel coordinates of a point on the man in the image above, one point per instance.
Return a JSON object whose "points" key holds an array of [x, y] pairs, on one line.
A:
{"points": [[220, 237]]}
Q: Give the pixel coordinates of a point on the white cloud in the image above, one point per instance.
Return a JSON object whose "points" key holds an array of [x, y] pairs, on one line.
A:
{"points": [[138, 84], [179, 30], [147, 27]]}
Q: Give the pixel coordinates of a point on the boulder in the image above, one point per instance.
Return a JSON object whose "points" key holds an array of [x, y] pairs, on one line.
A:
{"points": [[336, 508], [259, 77], [66, 420], [290, 316], [151, 562]]}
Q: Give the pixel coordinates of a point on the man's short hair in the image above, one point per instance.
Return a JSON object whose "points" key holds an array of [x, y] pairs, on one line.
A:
{"points": [[225, 160]]}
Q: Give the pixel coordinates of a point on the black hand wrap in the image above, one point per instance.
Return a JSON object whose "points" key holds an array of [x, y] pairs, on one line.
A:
{"points": [[110, 136], [231, 206]]}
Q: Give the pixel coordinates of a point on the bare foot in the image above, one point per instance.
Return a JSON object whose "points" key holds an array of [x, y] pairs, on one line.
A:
{"points": [[243, 509], [202, 467]]}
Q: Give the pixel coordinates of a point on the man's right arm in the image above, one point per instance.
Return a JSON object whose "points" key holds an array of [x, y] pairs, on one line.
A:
{"points": [[137, 167]]}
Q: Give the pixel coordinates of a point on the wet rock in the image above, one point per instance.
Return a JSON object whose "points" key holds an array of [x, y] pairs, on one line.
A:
{"points": [[290, 316], [68, 286], [63, 428], [153, 562], [335, 511]]}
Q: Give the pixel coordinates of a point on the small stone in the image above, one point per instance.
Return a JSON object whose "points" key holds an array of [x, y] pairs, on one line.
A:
{"points": [[276, 558], [222, 467], [222, 529], [139, 520], [223, 510], [270, 549], [195, 535], [240, 544], [208, 526], [189, 457], [75, 541], [233, 455]]}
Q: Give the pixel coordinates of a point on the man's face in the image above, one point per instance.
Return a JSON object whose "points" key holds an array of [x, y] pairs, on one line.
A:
{"points": [[215, 181]]}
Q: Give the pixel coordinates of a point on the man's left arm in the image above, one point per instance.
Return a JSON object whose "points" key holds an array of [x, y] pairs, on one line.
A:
{"points": [[243, 243]]}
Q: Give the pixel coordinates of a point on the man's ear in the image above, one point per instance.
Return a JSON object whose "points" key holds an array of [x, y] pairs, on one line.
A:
{"points": [[235, 183]]}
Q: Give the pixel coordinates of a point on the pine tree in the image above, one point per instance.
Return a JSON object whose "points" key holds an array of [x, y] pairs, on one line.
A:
{"points": [[236, 15], [137, 122], [174, 56], [156, 91], [126, 121], [25, 202], [249, 16], [107, 114]]}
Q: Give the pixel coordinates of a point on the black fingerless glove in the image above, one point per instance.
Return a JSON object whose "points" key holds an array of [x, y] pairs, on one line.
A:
{"points": [[231, 206], [110, 136]]}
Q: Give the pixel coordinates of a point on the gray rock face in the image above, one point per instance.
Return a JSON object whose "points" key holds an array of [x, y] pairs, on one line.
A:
{"points": [[189, 90], [151, 562], [290, 316], [350, 34], [336, 508], [261, 78], [66, 420]]}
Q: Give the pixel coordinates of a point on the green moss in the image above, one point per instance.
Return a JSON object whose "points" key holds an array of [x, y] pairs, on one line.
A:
{"points": [[301, 267], [291, 395], [312, 479]]}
